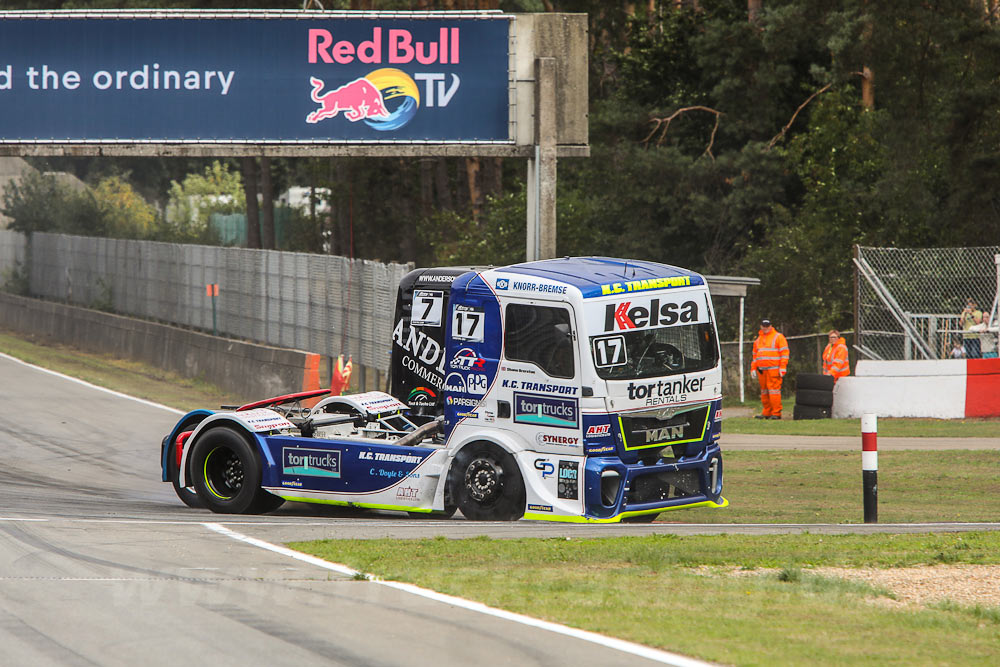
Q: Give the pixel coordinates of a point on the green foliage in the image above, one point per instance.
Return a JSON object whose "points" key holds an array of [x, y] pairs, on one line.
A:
{"points": [[104, 300], [125, 214], [198, 196], [41, 203], [16, 280]]}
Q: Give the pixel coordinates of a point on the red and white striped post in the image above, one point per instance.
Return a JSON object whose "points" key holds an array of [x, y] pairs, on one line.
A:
{"points": [[869, 466]]}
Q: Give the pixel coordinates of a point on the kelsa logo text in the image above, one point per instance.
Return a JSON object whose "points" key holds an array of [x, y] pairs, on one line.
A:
{"points": [[624, 316]]}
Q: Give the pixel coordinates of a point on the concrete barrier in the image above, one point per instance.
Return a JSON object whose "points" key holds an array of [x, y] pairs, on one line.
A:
{"points": [[245, 370], [943, 389]]}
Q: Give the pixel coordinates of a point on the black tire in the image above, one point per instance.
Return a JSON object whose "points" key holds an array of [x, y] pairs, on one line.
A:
{"points": [[814, 398], [810, 412], [486, 484], [640, 518], [226, 471], [814, 381]]}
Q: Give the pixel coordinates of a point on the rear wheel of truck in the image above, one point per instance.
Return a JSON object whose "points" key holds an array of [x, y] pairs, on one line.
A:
{"points": [[227, 473], [486, 484]]}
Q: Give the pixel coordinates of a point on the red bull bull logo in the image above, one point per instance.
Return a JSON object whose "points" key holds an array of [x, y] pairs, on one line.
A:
{"points": [[358, 99], [386, 99]]}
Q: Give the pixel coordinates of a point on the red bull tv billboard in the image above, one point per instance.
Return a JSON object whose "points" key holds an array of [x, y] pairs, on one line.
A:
{"points": [[243, 77]]}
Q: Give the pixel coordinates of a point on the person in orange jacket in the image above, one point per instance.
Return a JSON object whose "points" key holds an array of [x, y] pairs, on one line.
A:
{"points": [[835, 357], [770, 363]]}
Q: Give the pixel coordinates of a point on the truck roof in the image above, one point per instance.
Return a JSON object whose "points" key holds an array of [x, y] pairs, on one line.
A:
{"points": [[603, 276]]}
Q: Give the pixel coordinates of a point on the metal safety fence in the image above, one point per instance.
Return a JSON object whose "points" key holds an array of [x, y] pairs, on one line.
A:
{"points": [[909, 301], [319, 303]]}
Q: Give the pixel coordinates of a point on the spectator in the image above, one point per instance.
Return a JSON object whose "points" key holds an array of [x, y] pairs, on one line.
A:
{"points": [[957, 349], [835, 361], [970, 317]]}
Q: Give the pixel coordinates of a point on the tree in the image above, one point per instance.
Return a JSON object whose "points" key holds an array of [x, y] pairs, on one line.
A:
{"points": [[198, 196]]}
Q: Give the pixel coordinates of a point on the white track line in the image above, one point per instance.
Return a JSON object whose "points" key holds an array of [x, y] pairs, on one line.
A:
{"points": [[609, 642], [92, 386]]}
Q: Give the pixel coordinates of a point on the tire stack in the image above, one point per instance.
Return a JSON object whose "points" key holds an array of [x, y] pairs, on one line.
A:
{"points": [[813, 396]]}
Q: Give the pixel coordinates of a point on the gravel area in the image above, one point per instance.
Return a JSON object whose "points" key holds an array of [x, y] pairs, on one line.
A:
{"points": [[963, 584]]}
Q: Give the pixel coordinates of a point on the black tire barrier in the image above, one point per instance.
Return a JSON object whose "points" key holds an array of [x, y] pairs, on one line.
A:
{"points": [[814, 398], [816, 381], [810, 412]]}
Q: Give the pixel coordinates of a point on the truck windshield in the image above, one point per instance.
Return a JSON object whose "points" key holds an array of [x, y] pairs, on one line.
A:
{"points": [[632, 355]]}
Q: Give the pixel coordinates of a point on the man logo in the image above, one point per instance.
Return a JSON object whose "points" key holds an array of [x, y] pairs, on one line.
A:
{"points": [[663, 434]]}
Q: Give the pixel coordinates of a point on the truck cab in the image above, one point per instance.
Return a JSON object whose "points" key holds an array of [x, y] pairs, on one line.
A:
{"points": [[599, 379]]}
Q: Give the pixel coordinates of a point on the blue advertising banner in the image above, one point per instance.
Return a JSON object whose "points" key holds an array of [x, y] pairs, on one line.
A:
{"points": [[218, 79]]}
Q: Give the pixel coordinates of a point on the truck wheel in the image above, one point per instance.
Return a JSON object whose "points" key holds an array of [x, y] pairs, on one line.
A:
{"points": [[487, 484], [187, 495], [226, 473]]}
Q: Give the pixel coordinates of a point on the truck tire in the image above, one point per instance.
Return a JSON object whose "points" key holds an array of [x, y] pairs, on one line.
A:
{"points": [[486, 483], [226, 471], [814, 397], [810, 412], [814, 381]]}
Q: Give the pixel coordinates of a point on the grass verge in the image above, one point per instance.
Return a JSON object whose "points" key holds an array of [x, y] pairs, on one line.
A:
{"points": [[795, 486], [648, 590], [887, 427]]}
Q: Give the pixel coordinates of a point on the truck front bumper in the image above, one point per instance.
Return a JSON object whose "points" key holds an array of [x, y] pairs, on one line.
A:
{"points": [[615, 490]]}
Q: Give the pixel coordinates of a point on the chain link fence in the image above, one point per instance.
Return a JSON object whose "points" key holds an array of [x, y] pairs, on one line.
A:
{"points": [[909, 300], [319, 303]]}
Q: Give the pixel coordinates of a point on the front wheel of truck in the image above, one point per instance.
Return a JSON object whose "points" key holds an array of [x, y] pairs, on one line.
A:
{"points": [[486, 483]]}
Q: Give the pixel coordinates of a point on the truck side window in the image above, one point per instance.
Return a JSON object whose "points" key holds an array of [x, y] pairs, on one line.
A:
{"points": [[540, 335]]}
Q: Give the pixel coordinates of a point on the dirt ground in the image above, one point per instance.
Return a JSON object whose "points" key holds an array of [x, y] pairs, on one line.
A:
{"points": [[963, 584]]}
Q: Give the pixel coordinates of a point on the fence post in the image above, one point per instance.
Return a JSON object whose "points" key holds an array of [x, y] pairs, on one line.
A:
{"points": [[869, 466]]}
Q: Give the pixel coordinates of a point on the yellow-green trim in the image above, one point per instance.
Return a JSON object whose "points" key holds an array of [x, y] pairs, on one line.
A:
{"points": [[345, 503], [208, 482], [536, 516], [708, 410]]}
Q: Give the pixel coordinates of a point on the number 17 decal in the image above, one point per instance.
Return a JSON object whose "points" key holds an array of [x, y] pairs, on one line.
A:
{"points": [[468, 323], [609, 351]]}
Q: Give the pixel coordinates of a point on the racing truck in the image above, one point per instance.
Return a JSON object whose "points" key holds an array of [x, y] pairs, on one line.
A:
{"points": [[583, 389]]}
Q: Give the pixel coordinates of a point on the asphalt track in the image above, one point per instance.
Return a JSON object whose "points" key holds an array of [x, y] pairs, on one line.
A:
{"points": [[101, 565]]}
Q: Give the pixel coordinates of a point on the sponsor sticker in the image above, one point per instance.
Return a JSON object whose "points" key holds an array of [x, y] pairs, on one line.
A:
{"points": [[545, 467], [569, 483], [549, 439], [642, 285], [599, 431], [546, 411], [466, 359], [310, 462], [539, 508], [636, 314]]}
